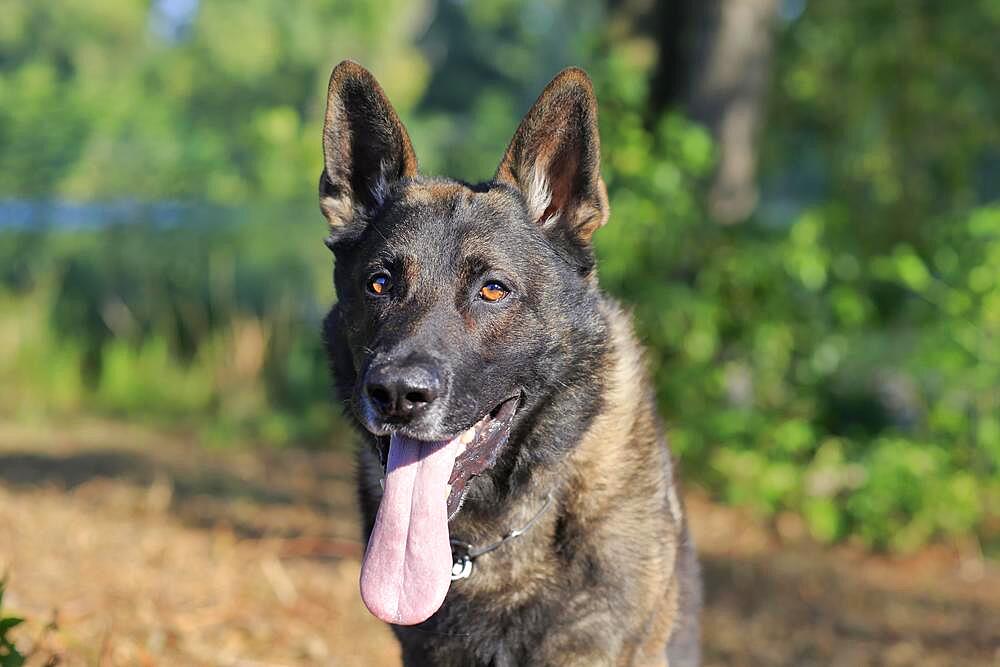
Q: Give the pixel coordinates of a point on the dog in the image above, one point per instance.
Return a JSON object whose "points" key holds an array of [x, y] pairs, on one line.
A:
{"points": [[519, 502]]}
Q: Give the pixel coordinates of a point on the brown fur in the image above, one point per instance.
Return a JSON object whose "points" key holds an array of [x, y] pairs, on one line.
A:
{"points": [[614, 503], [608, 574], [617, 489]]}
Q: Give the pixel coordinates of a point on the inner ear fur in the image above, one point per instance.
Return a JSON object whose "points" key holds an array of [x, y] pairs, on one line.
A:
{"points": [[554, 158], [365, 148]]}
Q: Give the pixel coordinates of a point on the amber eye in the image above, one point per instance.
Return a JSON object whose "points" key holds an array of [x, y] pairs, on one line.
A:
{"points": [[492, 292], [379, 284]]}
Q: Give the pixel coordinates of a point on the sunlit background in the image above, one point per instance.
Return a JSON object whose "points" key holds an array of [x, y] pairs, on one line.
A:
{"points": [[805, 220]]}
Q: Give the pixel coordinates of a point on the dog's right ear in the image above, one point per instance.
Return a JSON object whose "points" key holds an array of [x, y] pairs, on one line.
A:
{"points": [[365, 149]]}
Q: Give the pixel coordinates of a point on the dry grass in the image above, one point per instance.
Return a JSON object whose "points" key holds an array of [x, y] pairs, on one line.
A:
{"points": [[127, 547]]}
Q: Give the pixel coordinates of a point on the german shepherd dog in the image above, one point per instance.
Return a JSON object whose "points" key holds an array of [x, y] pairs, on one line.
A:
{"points": [[519, 501]]}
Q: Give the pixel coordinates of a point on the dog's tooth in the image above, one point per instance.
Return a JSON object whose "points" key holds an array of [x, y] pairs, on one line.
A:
{"points": [[468, 435]]}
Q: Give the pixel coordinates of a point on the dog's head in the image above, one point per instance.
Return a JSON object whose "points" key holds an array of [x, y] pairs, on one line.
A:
{"points": [[462, 309]]}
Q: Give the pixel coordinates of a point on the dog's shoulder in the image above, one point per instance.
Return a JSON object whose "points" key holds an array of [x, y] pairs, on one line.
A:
{"points": [[623, 455]]}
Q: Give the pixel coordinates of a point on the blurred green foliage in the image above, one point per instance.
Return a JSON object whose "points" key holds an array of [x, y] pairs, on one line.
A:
{"points": [[214, 324], [109, 98], [836, 356]]}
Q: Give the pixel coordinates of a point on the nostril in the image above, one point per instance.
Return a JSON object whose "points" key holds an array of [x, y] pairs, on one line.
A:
{"points": [[380, 395], [418, 397]]}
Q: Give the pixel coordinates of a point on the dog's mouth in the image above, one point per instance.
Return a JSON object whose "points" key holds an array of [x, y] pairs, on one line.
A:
{"points": [[406, 572], [478, 448]]}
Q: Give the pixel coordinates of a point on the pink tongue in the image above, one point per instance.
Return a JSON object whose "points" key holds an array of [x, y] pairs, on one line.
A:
{"points": [[407, 567]]}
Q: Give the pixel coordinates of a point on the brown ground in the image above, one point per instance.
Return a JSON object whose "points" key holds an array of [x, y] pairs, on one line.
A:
{"points": [[127, 547]]}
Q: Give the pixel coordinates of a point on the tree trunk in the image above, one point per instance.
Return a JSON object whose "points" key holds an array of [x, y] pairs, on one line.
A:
{"points": [[714, 62]]}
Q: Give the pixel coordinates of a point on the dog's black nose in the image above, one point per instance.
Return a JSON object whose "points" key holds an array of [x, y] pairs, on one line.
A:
{"points": [[400, 391]]}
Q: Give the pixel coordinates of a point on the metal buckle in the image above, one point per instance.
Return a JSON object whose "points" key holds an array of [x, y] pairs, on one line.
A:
{"points": [[461, 563], [461, 568]]}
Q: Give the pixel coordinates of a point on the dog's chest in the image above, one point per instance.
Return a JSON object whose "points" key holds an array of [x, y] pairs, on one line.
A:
{"points": [[497, 629], [502, 612]]}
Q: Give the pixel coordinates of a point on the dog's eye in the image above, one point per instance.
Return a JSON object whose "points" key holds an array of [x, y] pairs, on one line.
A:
{"points": [[493, 292], [380, 284]]}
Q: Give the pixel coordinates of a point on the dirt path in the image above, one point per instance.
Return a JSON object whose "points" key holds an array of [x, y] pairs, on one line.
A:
{"points": [[128, 547]]}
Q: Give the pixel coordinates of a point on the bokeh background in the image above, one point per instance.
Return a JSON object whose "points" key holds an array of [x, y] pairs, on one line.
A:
{"points": [[805, 220]]}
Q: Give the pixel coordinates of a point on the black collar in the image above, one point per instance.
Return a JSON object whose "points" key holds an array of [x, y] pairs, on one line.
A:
{"points": [[463, 554]]}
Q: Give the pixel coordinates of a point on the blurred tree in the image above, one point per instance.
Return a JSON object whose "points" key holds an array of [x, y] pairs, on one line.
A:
{"points": [[713, 63], [505, 51], [890, 109], [102, 99]]}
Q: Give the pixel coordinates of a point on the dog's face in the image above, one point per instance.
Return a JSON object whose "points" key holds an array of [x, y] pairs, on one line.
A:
{"points": [[459, 307], [443, 298]]}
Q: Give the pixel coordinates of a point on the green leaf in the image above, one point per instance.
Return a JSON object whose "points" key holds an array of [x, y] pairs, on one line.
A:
{"points": [[6, 624]]}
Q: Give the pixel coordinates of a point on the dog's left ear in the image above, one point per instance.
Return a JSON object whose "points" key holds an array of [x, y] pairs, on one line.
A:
{"points": [[554, 159], [365, 149]]}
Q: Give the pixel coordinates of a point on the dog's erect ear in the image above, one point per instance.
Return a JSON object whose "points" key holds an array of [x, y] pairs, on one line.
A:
{"points": [[365, 148], [554, 158]]}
